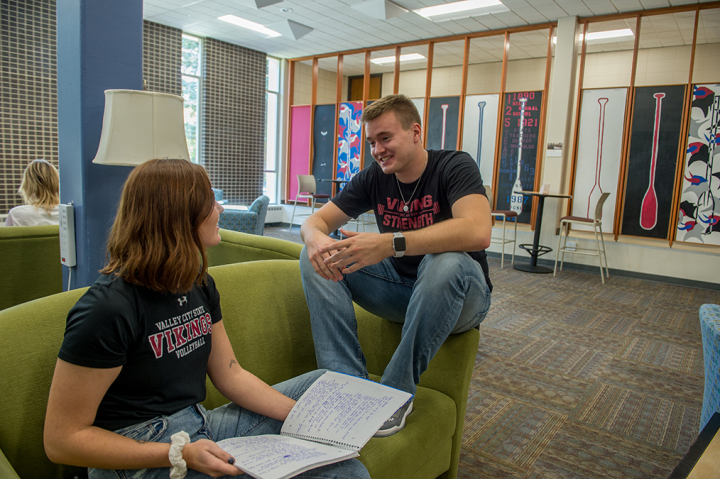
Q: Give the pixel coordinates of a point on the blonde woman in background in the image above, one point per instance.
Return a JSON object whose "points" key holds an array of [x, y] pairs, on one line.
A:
{"points": [[40, 190]]}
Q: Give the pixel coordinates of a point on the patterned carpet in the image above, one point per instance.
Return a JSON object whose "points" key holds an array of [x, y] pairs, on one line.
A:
{"points": [[574, 379]]}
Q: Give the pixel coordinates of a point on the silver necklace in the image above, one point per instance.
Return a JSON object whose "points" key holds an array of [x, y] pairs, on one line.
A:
{"points": [[406, 203]]}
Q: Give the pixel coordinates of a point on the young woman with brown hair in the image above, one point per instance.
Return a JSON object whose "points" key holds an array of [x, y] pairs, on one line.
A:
{"points": [[138, 345], [40, 190]]}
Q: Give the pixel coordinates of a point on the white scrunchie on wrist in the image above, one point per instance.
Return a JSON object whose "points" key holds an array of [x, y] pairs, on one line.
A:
{"points": [[179, 466]]}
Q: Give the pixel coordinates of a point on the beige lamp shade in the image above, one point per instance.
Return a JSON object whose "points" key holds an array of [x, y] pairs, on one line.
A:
{"points": [[139, 126]]}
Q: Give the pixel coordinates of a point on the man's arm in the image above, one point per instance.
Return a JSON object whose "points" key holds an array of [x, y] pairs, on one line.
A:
{"points": [[315, 234], [468, 230]]}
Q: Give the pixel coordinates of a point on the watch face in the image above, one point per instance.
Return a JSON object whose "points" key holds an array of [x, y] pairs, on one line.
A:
{"points": [[399, 243]]}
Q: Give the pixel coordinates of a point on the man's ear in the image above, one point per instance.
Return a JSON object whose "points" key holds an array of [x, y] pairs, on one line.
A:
{"points": [[417, 132]]}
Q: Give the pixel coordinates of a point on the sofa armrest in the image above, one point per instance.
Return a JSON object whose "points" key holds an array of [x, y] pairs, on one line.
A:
{"points": [[6, 470], [237, 247]]}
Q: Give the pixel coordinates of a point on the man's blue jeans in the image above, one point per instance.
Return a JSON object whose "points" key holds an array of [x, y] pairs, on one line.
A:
{"points": [[224, 422], [450, 295]]}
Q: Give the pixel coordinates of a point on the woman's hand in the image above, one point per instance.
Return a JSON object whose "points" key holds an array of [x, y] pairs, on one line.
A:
{"points": [[207, 457]]}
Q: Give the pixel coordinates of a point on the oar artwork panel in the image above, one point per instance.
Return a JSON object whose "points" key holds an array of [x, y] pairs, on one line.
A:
{"points": [[323, 145], [521, 122], [597, 169], [443, 123], [349, 140], [479, 132], [699, 216], [654, 143]]}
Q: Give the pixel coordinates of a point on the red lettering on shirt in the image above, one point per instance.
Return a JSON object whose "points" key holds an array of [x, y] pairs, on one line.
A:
{"points": [[168, 340], [156, 343], [180, 340], [195, 326]]}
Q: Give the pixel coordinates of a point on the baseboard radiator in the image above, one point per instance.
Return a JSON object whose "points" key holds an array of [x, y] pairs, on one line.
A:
{"points": [[274, 214]]}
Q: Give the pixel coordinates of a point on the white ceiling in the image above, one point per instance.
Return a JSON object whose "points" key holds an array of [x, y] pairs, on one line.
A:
{"points": [[339, 27]]}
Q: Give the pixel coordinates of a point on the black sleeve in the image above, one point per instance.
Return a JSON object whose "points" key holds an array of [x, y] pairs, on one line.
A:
{"points": [[100, 328], [462, 177], [354, 199], [213, 297]]}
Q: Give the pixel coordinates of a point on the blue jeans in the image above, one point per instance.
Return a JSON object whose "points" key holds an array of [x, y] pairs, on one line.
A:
{"points": [[450, 295], [224, 422]]}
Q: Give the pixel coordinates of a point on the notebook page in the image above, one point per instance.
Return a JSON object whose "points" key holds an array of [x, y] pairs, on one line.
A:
{"points": [[343, 410]]}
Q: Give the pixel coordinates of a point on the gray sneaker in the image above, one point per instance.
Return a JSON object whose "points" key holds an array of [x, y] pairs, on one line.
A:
{"points": [[396, 421]]}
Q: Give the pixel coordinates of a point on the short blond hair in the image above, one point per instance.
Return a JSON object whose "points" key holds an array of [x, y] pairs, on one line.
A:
{"points": [[402, 106], [40, 185]]}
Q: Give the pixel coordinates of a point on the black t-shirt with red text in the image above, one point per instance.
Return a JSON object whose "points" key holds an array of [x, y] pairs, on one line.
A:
{"points": [[448, 176], [161, 340]]}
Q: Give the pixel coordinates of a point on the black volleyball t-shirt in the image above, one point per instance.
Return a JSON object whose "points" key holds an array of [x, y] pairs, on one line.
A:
{"points": [[161, 340]]}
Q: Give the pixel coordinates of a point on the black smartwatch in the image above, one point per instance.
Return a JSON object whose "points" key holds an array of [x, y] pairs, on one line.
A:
{"points": [[399, 244]]}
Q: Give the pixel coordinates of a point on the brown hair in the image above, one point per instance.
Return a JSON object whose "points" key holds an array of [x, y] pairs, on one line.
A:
{"points": [[40, 185], [155, 239], [404, 109]]}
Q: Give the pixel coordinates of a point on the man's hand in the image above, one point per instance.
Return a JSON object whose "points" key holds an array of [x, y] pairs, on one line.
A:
{"points": [[356, 251], [207, 457], [319, 248]]}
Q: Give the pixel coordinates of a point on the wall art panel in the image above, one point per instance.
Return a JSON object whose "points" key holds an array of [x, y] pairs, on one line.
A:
{"points": [[654, 143], [299, 146], [521, 120], [479, 132], [443, 123], [349, 140], [323, 145], [597, 169], [699, 216]]}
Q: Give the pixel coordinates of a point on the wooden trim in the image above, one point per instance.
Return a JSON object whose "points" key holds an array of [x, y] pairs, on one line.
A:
{"points": [[501, 109], [630, 111], [463, 92], [680, 167], [428, 87], [396, 78], [540, 152], [366, 79], [291, 94], [487, 33], [576, 129], [313, 102], [338, 99]]}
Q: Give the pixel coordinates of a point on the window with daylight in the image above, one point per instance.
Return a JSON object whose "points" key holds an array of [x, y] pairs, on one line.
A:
{"points": [[191, 88], [272, 92]]}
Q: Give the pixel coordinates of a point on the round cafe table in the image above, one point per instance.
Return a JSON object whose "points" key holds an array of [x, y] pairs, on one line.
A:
{"points": [[536, 249]]}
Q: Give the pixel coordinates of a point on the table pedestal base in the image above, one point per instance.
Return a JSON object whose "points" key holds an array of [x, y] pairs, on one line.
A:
{"points": [[529, 268]]}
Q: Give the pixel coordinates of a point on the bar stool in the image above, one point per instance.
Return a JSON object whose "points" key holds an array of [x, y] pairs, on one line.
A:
{"points": [[505, 215], [596, 224], [307, 190]]}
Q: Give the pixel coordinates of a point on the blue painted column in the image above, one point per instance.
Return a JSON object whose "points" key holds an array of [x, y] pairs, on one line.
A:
{"points": [[99, 47]]}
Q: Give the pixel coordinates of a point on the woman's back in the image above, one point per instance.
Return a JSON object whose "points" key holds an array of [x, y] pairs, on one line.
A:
{"points": [[31, 215]]}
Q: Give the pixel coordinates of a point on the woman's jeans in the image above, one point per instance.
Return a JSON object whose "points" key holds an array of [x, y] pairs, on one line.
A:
{"points": [[222, 423], [450, 295]]}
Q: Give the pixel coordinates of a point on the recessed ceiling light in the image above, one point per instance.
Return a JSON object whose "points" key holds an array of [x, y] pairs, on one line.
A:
{"points": [[607, 36], [256, 27], [403, 58], [467, 8]]}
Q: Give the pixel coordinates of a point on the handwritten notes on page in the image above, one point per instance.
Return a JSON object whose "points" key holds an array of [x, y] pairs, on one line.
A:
{"points": [[343, 410], [280, 457]]}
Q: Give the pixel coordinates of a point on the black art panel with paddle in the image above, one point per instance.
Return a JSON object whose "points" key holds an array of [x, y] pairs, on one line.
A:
{"points": [[654, 143], [323, 147], [443, 123]]}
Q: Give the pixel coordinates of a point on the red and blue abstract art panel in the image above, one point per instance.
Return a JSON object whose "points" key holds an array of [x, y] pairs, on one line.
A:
{"points": [[349, 140], [699, 216]]}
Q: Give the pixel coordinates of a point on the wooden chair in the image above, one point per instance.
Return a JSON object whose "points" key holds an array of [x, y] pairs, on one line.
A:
{"points": [[596, 224], [307, 190], [505, 215]]}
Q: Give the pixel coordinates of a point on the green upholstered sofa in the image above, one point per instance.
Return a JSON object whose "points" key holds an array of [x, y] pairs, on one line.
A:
{"points": [[266, 317], [32, 259], [31, 263]]}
